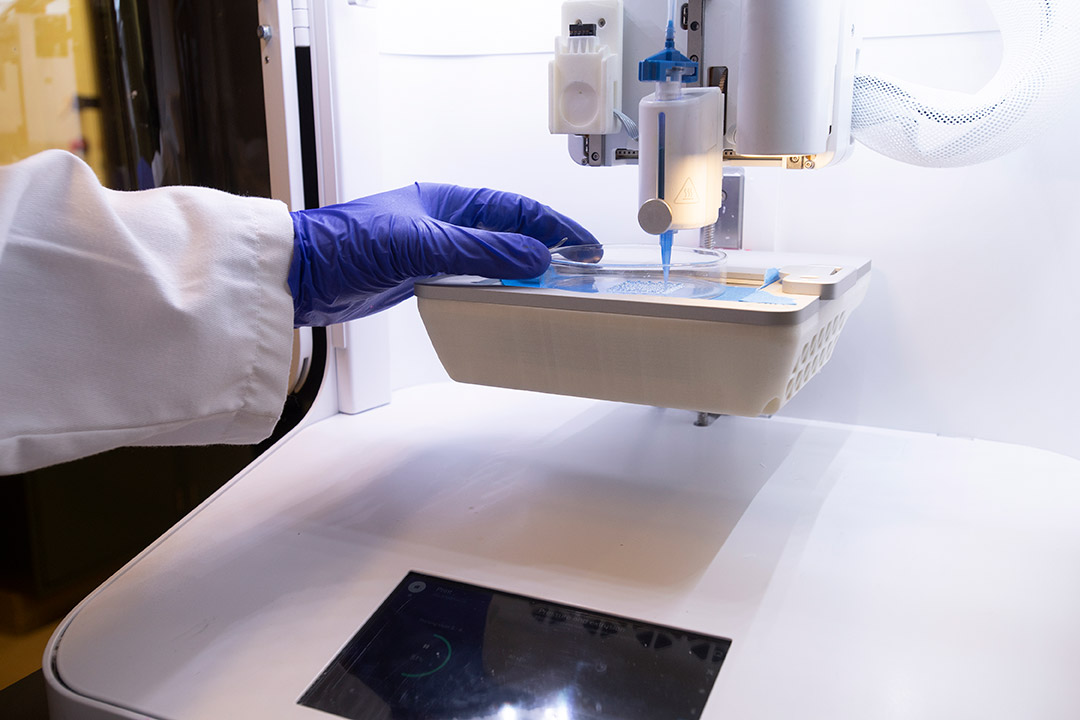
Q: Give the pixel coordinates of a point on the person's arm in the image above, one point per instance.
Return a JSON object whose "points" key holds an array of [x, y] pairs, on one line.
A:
{"points": [[160, 317], [164, 317]]}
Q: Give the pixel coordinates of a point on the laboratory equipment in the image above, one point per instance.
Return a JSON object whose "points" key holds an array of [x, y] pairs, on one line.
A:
{"points": [[681, 117], [746, 350], [763, 83], [782, 72], [857, 572], [791, 95], [680, 163]]}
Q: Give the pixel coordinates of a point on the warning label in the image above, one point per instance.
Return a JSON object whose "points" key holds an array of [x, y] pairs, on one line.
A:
{"points": [[688, 194]]}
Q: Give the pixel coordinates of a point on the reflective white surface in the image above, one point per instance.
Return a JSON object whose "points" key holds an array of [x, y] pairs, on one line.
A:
{"points": [[860, 573]]}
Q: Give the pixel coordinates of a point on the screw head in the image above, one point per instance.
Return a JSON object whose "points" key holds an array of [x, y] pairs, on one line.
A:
{"points": [[601, 22], [265, 32], [595, 156]]}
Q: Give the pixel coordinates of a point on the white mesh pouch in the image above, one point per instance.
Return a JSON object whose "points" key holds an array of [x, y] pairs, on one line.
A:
{"points": [[932, 127]]}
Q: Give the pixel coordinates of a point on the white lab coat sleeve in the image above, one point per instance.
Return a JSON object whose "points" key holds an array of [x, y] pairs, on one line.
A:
{"points": [[160, 317]]}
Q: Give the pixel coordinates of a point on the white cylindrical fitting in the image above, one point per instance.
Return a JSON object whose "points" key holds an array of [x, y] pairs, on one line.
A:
{"points": [[786, 76], [693, 156]]}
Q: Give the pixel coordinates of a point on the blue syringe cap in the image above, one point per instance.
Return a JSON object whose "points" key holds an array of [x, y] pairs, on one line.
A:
{"points": [[658, 67]]}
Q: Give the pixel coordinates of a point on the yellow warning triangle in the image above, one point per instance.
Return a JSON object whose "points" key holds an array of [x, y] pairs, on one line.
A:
{"points": [[688, 194]]}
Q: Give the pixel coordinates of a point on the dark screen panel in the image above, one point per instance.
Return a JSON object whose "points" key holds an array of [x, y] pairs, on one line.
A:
{"points": [[439, 650]]}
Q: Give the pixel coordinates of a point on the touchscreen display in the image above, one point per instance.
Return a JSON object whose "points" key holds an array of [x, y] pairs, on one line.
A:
{"points": [[443, 650]]}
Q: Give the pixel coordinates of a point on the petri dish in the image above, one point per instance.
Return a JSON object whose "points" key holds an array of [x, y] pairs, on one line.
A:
{"points": [[625, 269]]}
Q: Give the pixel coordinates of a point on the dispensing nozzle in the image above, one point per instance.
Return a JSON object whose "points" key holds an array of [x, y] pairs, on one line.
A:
{"points": [[668, 68], [680, 145]]}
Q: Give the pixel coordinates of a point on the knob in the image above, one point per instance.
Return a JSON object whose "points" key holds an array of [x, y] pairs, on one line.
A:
{"points": [[655, 216]]}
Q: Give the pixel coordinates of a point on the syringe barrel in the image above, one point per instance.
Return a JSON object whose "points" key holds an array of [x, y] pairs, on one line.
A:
{"points": [[693, 155]]}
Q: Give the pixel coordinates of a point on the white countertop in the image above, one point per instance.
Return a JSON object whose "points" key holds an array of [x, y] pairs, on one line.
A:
{"points": [[860, 573]]}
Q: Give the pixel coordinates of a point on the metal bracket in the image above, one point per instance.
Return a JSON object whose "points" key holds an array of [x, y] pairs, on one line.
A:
{"points": [[593, 151], [694, 24], [726, 232], [799, 162], [718, 78], [729, 223]]}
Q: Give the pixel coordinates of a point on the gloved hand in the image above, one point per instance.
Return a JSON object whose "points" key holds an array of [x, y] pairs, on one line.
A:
{"points": [[363, 256]]}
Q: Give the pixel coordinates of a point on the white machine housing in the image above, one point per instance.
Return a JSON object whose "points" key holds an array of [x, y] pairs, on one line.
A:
{"points": [[782, 73], [785, 69], [585, 77]]}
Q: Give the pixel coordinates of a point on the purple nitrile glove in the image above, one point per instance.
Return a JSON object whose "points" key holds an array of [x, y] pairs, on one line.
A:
{"points": [[360, 257]]}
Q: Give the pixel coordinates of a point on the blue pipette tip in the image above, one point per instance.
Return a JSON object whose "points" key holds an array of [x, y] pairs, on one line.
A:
{"points": [[665, 252]]}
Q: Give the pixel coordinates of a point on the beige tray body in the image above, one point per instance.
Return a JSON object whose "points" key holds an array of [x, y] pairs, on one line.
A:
{"points": [[730, 368]]}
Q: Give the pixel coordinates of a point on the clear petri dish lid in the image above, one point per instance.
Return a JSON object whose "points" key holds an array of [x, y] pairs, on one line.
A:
{"points": [[637, 270], [635, 259]]}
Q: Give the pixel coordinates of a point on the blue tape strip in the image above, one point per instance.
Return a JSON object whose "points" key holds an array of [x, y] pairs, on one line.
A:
{"points": [[771, 276], [760, 296], [536, 282], [750, 294]]}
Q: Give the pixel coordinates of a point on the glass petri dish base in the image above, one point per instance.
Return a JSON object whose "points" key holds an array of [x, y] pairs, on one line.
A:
{"points": [[637, 270], [674, 287]]}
